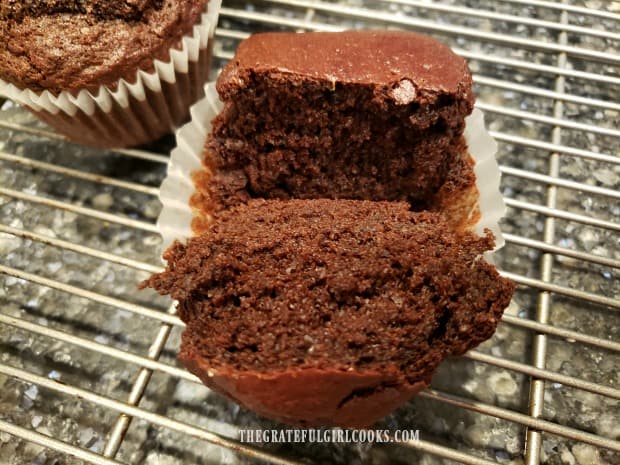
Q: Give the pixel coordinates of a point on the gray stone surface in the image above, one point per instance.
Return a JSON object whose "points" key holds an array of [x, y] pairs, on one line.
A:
{"points": [[87, 425]]}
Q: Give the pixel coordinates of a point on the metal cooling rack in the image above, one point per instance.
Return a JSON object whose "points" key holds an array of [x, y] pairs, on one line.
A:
{"points": [[87, 367]]}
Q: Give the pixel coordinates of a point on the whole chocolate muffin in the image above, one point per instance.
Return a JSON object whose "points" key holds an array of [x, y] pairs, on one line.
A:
{"points": [[369, 115], [329, 312], [74, 44], [76, 48]]}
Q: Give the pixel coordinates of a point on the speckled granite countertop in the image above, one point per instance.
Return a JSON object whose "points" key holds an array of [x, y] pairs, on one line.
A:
{"points": [[86, 425]]}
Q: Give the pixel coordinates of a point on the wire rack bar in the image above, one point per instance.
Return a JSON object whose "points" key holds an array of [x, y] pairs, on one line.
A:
{"points": [[569, 335], [556, 181], [154, 191], [55, 444], [544, 374], [539, 92], [81, 249], [94, 296], [547, 329], [151, 363], [510, 238], [217, 439], [144, 311], [150, 227], [531, 282], [548, 120], [569, 292], [70, 207], [309, 25], [540, 245], [451, 29], [117, 434], [515, 417], [97, 347], [142, 154], [568, 8], [446, 452], [500, 136], [556, 148], [507, 18], [537, 67], [533, 444], [554, 212], [153, 418], [521, 322], [98, 178]]}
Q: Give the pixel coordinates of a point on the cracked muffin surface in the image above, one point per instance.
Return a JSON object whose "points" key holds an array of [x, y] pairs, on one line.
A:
{"points": [[61, 45]]}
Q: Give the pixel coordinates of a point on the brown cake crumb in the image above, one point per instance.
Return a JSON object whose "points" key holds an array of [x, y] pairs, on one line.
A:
{"points": [[367, 115], [322, 312]]}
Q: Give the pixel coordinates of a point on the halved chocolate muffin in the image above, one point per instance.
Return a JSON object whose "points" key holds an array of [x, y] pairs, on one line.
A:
{"points": [[329, 312], [369, 115]]}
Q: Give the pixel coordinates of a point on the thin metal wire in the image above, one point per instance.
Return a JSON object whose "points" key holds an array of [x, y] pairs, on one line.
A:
{"points": [[446, 452], [540, 245], [521, 322], [148, 156], [544, 374], [138, 388], [557, 148], [568, 8], [149, 363], [106, 180], [505, 18], [70, 207], [560, 182], [570, 336], [81, 249], [451, 29], [94, 296], [154, 191], [508, 138], [549, 94], [55, 444], [533, 442], [567, 291], [554, 212], [526, 420], [153, 418], [538, 68], [293, 23], [217, 439], [549, 120]]}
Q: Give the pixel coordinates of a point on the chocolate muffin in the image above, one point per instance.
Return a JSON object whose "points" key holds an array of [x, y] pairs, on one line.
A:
{"points": [[62, 49], [369, 115], [329, 312]]}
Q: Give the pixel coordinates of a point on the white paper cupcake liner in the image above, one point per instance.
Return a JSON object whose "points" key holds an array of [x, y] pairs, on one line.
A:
{"points": [[131, 113], [175, 220]]}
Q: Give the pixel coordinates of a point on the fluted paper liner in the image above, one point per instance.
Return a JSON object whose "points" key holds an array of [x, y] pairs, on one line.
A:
{"points": [[175, 220], [131, 113]]}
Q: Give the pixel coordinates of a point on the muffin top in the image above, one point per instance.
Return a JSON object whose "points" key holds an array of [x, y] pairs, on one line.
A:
{"points": [[73, 44], [379, 58]]}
